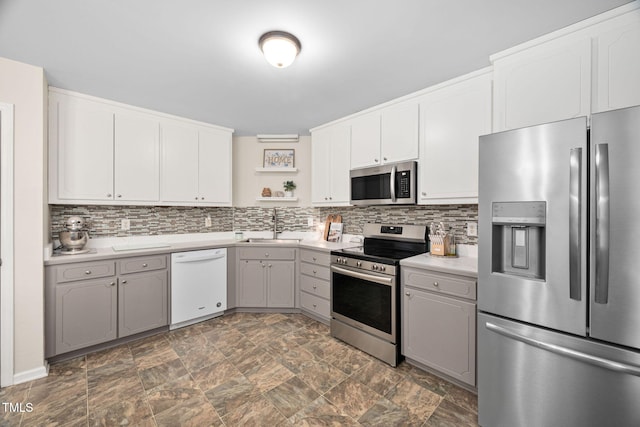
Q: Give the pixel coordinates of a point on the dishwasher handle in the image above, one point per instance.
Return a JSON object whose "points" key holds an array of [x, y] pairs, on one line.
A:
{"points": [[187, 258]]}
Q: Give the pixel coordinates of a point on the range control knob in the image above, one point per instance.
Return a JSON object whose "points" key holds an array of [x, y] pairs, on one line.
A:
{"points": [[358, 264], [374, 267], [383, 268]]}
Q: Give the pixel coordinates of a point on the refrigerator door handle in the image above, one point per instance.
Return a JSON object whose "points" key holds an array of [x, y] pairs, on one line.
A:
{"points": [[575, 206], [611, 365], [602, 224]]}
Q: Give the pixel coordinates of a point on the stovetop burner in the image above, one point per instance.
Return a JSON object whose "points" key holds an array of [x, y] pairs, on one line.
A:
{"points": [[388, 244]]}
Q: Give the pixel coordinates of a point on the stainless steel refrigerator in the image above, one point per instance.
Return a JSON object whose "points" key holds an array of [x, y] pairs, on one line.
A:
{"points": [[559, 274]]}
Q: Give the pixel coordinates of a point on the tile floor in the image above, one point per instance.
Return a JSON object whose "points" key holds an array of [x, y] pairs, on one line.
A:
{"points": [[241, 369]]}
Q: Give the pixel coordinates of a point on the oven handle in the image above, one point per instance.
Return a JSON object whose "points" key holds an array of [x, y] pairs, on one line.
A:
{"points": [[364, 276]]}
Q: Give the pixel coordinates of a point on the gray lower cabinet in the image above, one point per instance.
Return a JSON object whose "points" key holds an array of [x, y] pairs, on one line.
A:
{"points": [[439, 322], [315, 286], [142, 302], [266, 277], [86, 313], [91, 303]]}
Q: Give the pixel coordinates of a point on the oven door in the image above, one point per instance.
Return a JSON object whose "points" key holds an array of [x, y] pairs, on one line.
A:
{"points": [[365, 300]]}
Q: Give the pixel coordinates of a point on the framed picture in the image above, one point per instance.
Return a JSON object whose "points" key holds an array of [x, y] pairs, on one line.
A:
{"points": [[280, 158]]}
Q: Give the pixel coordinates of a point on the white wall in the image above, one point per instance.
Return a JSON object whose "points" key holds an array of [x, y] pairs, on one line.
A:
{"points": [[248, 184], [25, 86]]}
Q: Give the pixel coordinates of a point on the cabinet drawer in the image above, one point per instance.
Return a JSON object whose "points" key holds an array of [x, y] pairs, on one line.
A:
{"points": [[459, 286], [315, 304], [138, 264], [267, 253], [315, 271], [85, 271], [313, 257], [315, 286]]}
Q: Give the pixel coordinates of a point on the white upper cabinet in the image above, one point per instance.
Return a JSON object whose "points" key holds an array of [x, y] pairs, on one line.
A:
{"points": [[330, 165], [400, 132], [387, 135], [618, 63], [453, 118], [102, 152], [196, 165], [80, 150], [365, 140], [214, 167], [179, 163], [546, 83], [588, 67], [137, 157]]}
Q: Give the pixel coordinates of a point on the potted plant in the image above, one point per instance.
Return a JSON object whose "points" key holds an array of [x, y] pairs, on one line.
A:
{"points": [[289, 186]]}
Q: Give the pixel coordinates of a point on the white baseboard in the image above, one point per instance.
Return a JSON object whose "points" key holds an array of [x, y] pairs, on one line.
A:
{"points": [[31, 374]]}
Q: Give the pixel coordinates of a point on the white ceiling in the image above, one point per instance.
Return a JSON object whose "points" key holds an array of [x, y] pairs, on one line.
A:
{"points": [[200, 58]]}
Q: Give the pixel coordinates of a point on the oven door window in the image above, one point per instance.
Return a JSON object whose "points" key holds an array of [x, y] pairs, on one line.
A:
{"points": [[371, 187], [363, 301]]}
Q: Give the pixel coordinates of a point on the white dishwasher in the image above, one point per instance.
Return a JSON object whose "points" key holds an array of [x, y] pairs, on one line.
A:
{"points": [[198, 286]]}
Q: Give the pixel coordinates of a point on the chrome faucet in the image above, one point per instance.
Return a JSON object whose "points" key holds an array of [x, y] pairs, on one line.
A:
{"points": [[275, 224]]}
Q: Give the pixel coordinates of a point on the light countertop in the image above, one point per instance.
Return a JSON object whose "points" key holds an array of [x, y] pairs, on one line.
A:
{"points": [[463, 265], [102, 249]]}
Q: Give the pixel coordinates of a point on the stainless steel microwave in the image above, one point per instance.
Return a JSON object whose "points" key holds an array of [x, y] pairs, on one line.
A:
{"points": [[390, 184]]}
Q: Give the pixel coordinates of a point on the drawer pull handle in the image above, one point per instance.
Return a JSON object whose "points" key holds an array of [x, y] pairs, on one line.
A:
{"points": [[145, 265], [315, 287], [408, 293], [87, 272], [112, 284], [436, 284], [269, 265], [314, 258], [124, 282], [314, 272], [266, 254], [315, 306]]}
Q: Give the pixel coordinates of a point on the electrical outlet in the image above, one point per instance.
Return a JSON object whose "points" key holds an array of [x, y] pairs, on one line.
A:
{"points": [[472, 229], [207, 221], [125, 224], [310, 221]]}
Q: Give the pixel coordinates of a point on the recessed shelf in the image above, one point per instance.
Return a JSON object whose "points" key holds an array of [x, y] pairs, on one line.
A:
{"points": [[277, 170], [277, 199]]}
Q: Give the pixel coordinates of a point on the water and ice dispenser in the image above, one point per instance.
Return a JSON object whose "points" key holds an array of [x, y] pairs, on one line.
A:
{"points": [[518, 233]]}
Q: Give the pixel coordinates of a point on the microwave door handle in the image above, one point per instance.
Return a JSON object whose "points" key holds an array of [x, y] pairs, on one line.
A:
{"points": [[392, 185]]}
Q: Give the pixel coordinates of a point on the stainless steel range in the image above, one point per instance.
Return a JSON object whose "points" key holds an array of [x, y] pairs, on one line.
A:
{"points": [[365, 288]]}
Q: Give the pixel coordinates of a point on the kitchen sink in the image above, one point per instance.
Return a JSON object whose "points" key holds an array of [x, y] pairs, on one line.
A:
{"points": [[267, 240]]}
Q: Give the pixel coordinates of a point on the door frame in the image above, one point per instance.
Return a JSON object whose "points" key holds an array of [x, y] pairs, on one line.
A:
{"points": [[6, 244]]}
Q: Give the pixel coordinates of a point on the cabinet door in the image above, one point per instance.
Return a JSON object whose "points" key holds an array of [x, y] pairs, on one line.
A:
{"points": [[214, 178], [320, 161], [340, 165], [619, 67], [440, 332], [252, 289], [82, 136], [281, 283], [365, 140], [330, 165], [179, 163], [137, 157], [142, 302], [452, 120], [543, 84], [400, 136], [86, 314]]}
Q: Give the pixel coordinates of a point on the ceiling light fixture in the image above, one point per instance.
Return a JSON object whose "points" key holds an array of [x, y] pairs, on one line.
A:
{"points": [[279, 48]]}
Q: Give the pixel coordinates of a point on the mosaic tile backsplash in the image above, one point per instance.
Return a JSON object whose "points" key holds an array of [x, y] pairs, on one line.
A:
{"points": [[104, 221]]}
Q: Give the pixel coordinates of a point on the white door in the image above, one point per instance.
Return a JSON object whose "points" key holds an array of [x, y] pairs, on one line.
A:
{"points": [[214, 182], [179, 163], [365, 141], [137, 157], [85, 149], [400, 126]]}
